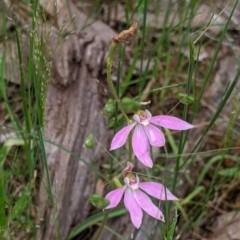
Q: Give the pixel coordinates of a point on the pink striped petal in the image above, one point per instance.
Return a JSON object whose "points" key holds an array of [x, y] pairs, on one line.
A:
{"points": [[170, 122], [121, 137], [114, 197], [146, 159], [140, 146], [155, 136], [157, 190], [147, 205], [135, 211]]}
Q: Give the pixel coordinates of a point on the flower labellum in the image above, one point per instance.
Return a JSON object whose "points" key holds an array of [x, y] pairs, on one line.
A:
{"points": [[146, 133]]}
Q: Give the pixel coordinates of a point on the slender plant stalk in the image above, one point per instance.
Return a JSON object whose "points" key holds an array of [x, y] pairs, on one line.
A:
{"points": [[130, 150], [181, 141], [120, 54], [98, 236], [142, 82], [22, 85], [110, 82]]}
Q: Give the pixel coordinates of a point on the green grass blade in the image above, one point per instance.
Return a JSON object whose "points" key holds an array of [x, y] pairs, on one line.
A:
{"points": [[95, 219]]}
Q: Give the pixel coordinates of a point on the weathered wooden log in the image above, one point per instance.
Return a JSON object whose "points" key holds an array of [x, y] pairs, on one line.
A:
{"points": [[72, 113]]}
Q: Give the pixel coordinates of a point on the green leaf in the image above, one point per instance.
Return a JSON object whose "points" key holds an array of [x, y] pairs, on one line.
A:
{"points": [[7, 146], [3, 155], [171, 230], [192, 195], [13, 142], [95, 219], [21, 203], [230, 172], [3, 221]]}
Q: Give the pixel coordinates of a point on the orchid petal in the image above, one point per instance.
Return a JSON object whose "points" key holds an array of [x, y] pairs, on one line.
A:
{"points": [[170, 122], [147, 205], [136, 118], [121, 137], [134, 209], [127, 169], [114, 197], [155, 136], [148, 114], [157, 190], [146, 159], [140, 146]]}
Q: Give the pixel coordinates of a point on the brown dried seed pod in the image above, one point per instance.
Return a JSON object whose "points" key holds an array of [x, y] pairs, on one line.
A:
{"points": [[122, 36]]}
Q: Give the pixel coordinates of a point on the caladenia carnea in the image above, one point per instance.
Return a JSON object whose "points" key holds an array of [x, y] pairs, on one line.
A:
{"points": [[146, 133], [136, 198]]}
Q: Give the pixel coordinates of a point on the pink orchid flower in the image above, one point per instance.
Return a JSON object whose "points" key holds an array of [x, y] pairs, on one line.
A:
{"points": [[135, 198], [145, 133]]}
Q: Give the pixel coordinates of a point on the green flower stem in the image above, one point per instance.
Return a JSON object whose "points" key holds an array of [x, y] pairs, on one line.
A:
{"points": [[110, 82], [99, 233], [130, 150]]}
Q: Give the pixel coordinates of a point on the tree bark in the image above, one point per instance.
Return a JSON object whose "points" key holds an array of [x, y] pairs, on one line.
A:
{"points": [[72, 112]]}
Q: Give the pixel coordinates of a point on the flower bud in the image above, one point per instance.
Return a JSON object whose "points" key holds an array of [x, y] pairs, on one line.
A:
{"points": [[89, 142], [109, 108], [185, 99], [117, 182], [130, 105], [98, 201]]}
